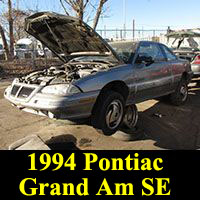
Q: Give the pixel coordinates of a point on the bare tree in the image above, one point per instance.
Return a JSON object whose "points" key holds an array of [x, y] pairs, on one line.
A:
{"points": [[11, 33], [5, 44], [98, 13], [12, 25], [18, 22], [3, 37], [80, 6]]}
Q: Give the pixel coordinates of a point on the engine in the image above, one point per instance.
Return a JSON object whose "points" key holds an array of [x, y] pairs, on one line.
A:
{"points": [[63, 74]]}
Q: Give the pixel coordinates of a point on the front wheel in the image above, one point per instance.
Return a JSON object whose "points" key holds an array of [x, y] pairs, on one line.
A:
{"points": [[108, 112], [180, 96]]}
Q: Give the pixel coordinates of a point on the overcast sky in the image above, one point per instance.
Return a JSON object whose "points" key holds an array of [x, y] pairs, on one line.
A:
{"points": [[148, 14]]}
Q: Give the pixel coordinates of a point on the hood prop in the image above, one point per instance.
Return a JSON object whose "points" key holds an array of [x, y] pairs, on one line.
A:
{"points": [[56, 39]]}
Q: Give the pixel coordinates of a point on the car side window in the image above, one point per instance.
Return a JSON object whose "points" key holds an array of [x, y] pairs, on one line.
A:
{"points": [[169, 54], [151, 50]]}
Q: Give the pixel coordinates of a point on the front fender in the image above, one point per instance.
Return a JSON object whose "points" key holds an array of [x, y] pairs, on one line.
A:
{"points": [[95, 82]]}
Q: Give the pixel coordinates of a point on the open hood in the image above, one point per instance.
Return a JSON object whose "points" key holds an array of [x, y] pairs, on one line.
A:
{"points": [[184, 33], [66, 36], [180, 35]]}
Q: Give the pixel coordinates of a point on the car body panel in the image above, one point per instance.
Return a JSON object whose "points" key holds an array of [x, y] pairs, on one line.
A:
{"points": [[195, 65], [188, 53], [153, 80], [142, 77], [66, 36], [60, 106]]}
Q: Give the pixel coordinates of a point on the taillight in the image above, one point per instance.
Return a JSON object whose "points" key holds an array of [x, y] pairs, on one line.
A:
{"points": [[196, 60]]}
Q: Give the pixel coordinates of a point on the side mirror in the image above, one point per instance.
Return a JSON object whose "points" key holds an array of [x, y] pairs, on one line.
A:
{"points": [[147, 60]]}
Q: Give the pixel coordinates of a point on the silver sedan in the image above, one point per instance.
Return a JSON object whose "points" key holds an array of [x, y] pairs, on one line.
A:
{"points": [[96, 80], [195, 65]]}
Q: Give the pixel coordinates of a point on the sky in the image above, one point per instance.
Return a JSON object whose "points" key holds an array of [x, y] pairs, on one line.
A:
{"points": [[148, 14]]}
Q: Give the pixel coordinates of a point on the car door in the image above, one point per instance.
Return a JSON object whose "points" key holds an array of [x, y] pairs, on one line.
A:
{"points": [[153, 79], [176, 67]]}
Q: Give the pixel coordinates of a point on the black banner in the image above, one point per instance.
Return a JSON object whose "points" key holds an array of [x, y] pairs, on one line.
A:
{"points": [[100, 175]]}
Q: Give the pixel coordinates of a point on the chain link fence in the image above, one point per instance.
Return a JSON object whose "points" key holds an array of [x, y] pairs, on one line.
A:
{"points": [[130, 34], [108, 35]]}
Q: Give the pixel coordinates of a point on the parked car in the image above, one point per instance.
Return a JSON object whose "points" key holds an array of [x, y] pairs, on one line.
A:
{"points": [[191, 53], [187, 53], [195, 65], [96, 80]]}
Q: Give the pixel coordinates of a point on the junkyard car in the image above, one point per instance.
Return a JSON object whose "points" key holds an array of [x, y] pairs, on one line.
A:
{"points": [[186, 53], [195, 65], [95, 80], [191, 53]]}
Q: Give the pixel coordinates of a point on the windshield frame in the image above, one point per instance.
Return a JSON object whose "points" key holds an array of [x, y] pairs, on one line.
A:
{"points": [[22, 47], [95, 58], [130, 44]]}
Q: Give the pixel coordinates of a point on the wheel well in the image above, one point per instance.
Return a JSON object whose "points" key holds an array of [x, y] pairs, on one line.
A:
{"points": [[185, 76], [117, 86]]}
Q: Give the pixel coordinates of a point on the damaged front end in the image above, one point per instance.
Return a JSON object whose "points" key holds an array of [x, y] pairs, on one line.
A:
{"points": [[53, 92]]}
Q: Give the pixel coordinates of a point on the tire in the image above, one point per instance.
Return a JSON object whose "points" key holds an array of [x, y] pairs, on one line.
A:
{"points": [[108, 112], [131, 116], [179, 97]]}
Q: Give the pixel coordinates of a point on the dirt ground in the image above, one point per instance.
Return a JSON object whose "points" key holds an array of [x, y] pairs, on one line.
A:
{"points": [[177, 128]]}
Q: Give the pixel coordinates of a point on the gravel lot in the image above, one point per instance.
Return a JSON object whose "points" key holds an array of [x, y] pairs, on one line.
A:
{"points": [[178, 128]]}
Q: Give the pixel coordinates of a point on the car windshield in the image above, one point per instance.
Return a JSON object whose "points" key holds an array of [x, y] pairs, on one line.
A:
{"points": [[104, 59], [21, 46], [1, 47], [125, 50]]}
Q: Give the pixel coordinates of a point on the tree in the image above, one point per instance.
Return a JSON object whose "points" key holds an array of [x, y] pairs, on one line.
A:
{"points": [[11, 33], [12, 25], [80, 7], [98, 13], [3, 37], [18, 22], [9, 52], [5, 44]]}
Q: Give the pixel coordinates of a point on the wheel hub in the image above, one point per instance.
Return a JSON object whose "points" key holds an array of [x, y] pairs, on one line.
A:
{"points": [[183, 92], [114, 114], [131, 116]]}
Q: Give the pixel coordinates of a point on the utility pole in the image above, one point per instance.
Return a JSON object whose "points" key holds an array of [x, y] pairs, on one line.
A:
{"points": [[133, 29], [17, 4], [124, 16]]}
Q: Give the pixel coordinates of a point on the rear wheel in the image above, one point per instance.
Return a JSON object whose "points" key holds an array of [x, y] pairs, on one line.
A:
{"points": [[180, 96], [131, 116], [108, 112]]}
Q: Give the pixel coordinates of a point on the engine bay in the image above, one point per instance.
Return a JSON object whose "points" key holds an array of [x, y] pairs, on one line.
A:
{"points": [[65, 73]]}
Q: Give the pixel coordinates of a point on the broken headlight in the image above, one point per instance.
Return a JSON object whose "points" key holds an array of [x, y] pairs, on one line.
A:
{"points": [[60, 89]]}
